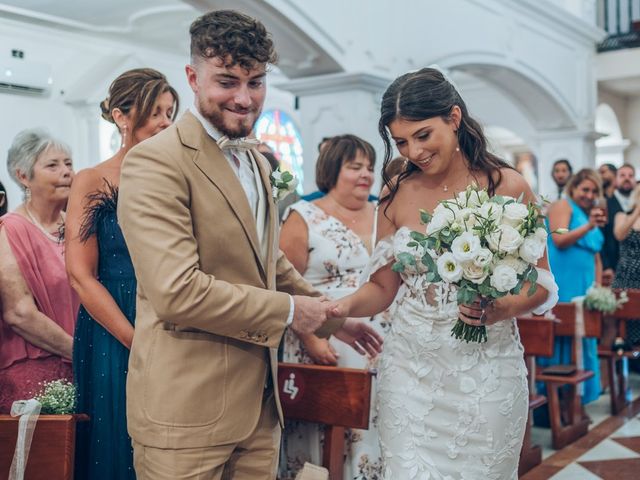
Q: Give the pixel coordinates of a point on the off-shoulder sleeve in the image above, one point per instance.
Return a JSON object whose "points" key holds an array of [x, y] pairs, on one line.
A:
{"points": [[547, 281], [382, 255]]}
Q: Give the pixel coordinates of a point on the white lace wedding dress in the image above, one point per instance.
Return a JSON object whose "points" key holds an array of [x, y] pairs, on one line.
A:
{"points": [[446, 409]]}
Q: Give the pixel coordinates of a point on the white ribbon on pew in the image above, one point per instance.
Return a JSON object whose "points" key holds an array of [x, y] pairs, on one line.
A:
{"points": [[579, 335], [28, 411]]}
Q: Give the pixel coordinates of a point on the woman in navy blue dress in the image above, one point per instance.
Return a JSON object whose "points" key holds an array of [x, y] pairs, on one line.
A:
{"points": [[141, 103]]}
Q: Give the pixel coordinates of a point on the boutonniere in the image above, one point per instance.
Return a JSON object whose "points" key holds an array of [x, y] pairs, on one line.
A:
{"points": [[282, 184]]}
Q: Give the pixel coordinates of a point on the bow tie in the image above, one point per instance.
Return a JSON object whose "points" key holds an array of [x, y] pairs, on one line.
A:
{"points": [[240, 144]]}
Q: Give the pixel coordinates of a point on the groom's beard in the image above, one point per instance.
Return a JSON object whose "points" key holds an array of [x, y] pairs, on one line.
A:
{"points": [[223, 121]]}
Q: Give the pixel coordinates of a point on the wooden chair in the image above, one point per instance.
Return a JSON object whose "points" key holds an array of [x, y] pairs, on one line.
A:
{"points": [[577, 423], [618, 381], [52, 448], [335, 397], [536, 335]]}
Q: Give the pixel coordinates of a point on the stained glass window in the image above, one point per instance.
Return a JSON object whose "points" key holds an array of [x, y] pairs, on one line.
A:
{"points": [[276, 129]]}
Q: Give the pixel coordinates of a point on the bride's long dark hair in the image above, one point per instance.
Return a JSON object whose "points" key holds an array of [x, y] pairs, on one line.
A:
{"points": [[425, 94]]}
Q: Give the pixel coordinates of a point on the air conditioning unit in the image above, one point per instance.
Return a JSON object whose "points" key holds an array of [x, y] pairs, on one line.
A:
{"points": [[25, 77]]}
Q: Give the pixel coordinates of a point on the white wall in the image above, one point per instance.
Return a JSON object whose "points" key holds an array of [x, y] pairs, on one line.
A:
{"points": [[73, 58]]}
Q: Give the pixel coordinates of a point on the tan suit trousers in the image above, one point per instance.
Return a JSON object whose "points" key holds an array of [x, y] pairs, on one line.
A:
{"points": [[254, 458]]}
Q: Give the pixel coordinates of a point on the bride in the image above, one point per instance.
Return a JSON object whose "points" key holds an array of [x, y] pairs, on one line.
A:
{"points": [[446, 409]]}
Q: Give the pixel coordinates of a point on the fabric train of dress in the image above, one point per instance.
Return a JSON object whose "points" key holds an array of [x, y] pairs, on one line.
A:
{"points": [[447, 410], [100, 361]]}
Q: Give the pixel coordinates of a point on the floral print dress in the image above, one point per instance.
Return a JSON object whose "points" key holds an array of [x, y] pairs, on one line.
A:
{"points": [[337, 258]]}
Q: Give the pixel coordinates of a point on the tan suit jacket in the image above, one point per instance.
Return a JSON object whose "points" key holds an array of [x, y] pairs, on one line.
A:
{"points": [[209, 319]]}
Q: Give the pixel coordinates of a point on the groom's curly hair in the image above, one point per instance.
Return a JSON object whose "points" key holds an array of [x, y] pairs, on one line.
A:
{"points": [[236, 38]]}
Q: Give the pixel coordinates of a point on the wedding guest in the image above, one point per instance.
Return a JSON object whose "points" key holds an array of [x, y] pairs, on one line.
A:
{"points": [[38, 306], [561, 172], [329, 242], [575, 261], [140, 103], [620, 201], [627, 231], [608, 173], [4, 202]]}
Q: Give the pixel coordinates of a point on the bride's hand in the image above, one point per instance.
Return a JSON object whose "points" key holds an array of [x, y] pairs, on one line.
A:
{"points": [[478, 314], [360, 336], [337, 309]]}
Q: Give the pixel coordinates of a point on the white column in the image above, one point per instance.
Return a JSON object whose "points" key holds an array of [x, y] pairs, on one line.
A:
{"points": [[337, 104], [576, 146]]}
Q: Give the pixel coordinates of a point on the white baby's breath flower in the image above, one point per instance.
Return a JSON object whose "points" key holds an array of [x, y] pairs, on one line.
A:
{"points": [[473, 272], [505, 239], [465, 247], [483, 257], [514, 213], [504, 278], [448, 268], [532, 249], [513, 262]]}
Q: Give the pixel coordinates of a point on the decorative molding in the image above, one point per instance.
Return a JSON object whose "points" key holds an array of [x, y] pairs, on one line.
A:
{"points": [[336, 82]]}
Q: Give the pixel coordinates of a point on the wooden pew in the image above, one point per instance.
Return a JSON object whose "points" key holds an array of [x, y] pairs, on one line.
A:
{"points": [[618, 381], [52, 449], [336, 397], [536, 335], [578, 424]]}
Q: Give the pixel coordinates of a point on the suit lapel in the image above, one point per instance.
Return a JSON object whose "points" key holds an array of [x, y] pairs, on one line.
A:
{"points": [[271, 216], [213, 164]]}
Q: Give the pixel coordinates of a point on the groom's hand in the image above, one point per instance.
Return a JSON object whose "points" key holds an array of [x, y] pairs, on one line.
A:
{"points": [[360, 336], [309, 313]]}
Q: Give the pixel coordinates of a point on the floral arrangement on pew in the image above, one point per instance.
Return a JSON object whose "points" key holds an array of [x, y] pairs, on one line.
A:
{"points": [[603, 299], [57, 397], [485, 246]]}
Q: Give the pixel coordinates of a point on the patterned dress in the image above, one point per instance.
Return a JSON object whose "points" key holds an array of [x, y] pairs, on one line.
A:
{"points": [[447, 410], [337, 258], [100, 361], [628, 276]]}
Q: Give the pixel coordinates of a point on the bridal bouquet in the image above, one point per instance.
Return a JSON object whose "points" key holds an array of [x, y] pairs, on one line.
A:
{"points": [[486, 246]]}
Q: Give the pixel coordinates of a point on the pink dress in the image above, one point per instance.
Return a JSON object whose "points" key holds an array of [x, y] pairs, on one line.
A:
{"points": [[22, 365]]}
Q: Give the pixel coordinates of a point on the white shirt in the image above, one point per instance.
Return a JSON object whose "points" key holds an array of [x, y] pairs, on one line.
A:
{"points": [[245, 174]]}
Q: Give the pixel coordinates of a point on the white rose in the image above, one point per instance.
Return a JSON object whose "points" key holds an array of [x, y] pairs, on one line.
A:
{"points": [[532, 249], [473, 272], [513, 262], [504, 278], [541, 233], [505, 239], [442, 217], [483, 257], [514, 213], [465, 247], [448, 268]]}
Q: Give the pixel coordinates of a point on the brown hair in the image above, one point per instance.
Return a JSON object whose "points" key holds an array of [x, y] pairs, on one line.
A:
{"points": [[425, 94], [581, 176], [137, 90], [340, 149], [236, 38]]}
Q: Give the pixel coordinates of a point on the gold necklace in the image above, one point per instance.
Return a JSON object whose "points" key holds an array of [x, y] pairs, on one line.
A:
{"points": [[51, 237]]}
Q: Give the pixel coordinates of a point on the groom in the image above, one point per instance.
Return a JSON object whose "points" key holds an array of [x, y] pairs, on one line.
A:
{"points": [[198, 217]]}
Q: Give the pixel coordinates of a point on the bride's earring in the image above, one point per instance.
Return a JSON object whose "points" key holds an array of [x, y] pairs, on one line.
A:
{"points": [[124, 136]]}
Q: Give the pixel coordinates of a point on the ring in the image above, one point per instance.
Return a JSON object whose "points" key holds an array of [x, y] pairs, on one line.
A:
{"points": [[483, 317]]}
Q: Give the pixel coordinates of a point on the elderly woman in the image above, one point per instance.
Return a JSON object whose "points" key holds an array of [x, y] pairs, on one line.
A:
{"points": [[38, 305], [329, 242]]}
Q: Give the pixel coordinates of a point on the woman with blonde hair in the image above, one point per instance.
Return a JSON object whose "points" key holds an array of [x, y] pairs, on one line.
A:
{"points": [[141, 103]]}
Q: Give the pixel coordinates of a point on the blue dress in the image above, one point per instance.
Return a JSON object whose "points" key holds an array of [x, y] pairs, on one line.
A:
{"points": [[100, 361], [574, 270]]}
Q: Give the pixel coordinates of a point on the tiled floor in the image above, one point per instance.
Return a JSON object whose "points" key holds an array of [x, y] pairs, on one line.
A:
{"points": [[610, 451]]}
